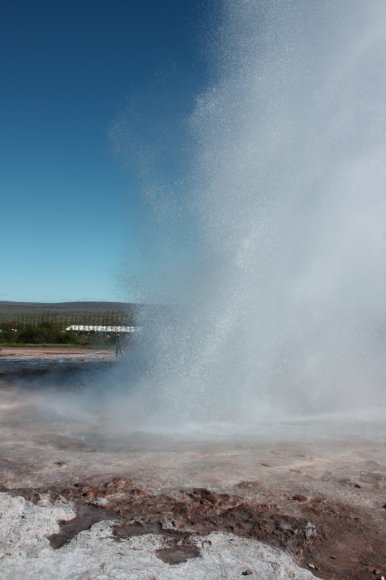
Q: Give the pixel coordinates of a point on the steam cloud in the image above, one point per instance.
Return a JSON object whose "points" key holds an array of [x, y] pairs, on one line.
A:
{"points": [[285, 310]]}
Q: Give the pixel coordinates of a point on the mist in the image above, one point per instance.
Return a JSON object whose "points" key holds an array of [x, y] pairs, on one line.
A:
{"points": [[282, 307], [272, 248]]}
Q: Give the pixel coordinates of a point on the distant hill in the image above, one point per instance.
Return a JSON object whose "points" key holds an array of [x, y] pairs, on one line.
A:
{"points": [[69, 312], [26, 307]]}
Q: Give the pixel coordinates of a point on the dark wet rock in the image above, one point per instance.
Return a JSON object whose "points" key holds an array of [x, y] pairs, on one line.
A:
{"points": [[178, 552], [86, 517], [299, 497], [204, 495]]}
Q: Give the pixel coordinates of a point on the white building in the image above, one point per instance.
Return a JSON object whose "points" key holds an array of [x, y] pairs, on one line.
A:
{"points": [[106, 329]]}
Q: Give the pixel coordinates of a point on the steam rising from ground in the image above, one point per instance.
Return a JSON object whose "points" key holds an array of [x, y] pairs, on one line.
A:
{"points": [[285, 309]]}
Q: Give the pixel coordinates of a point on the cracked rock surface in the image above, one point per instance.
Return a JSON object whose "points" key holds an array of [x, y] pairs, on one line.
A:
{"points": [[25, 551]]}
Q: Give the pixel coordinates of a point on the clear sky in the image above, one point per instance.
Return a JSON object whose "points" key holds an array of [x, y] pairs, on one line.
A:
{"points": [[94, 95]]}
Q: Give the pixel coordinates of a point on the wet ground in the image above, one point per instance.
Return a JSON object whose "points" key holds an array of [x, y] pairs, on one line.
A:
{"points": [[318, 493], [38, 361]]}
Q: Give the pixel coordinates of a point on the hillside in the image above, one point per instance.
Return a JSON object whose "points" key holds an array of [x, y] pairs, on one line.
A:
{"points": [[68, 312], [39, 307]]}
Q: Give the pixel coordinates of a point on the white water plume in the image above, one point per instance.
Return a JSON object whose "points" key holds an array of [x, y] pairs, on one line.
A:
{"points": [[285, 312]]}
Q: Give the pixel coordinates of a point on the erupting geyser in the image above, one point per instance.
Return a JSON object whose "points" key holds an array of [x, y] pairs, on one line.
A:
{"points": [[252, 410], [285, 312]]}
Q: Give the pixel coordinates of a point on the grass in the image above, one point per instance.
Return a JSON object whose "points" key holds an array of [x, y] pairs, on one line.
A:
{"points": [[53, 345], [29, 324]]}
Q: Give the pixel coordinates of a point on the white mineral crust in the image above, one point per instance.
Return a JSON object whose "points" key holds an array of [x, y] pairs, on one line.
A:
{"points": [[25, 551]]}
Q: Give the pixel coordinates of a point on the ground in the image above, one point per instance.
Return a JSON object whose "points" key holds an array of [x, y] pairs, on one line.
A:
{"points": [[186, 505]]}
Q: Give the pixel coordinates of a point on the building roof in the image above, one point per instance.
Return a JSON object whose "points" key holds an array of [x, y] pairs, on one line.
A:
{"points": [[92, 328]]}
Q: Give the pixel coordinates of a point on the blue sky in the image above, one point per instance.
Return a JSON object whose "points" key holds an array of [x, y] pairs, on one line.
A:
{"points": [[95, 97]]}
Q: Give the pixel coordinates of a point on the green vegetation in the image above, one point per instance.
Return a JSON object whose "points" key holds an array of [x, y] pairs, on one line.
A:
{"points": [[16, 333], [29, 324]]}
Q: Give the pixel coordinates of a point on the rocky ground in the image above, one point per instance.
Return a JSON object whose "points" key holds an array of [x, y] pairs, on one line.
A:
{"points": [[49, 352], [78, 501]]}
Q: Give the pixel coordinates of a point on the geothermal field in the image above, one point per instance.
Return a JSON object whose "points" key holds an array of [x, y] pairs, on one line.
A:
{"points": [[243, 433], [84, 496]]}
